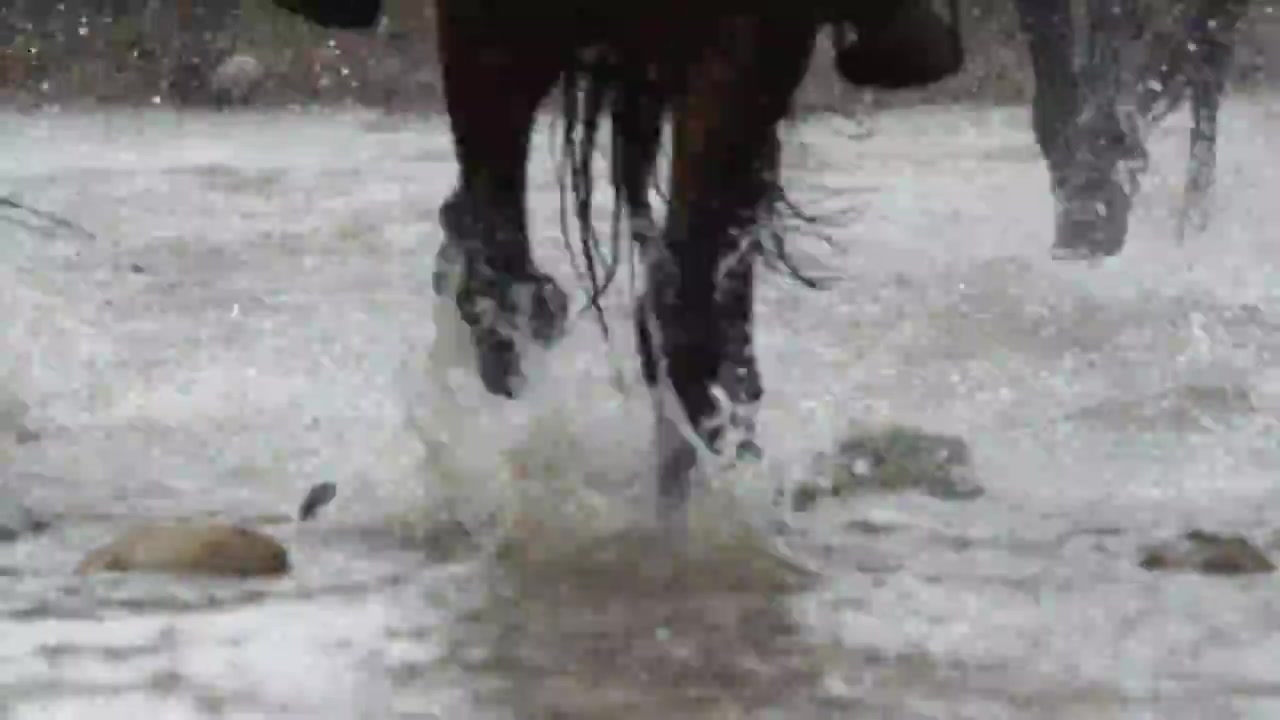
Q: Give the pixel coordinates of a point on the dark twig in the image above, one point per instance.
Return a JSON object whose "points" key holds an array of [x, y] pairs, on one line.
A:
{"points": [[51, 218]]}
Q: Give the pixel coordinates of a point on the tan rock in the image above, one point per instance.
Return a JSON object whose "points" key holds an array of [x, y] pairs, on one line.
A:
{"points": [[190, 549]]}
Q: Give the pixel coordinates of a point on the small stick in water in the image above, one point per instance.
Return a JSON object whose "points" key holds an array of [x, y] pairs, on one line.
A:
{"points": [[318, 496]]}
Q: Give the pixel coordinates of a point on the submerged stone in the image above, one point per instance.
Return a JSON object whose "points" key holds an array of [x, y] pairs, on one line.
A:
{"points": [[894, 459], [190, 549], [1207, 553], [1183, 409], [16, 519], [900, 458]]}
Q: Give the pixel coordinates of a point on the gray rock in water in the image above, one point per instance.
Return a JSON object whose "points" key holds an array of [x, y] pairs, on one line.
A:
{"points": [[1207, 553], [894, 459], [1182, 409], [16, 519], [900, 458], [236, 79], [13, 413]]}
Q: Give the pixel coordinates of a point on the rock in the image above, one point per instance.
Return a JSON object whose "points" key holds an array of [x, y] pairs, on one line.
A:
{"points": [[190, 549], [1188, 408], [236, 79], [900, 458], [16, 519], [1208, 553], [892, 460], [805, 496], [13, 413]]}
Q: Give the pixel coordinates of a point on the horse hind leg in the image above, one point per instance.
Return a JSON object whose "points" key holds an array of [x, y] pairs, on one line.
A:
{"points": [[1211, 42], [495, 75]]}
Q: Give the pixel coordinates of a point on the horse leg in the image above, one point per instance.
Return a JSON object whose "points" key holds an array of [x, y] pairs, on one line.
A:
{"points": [[1211, 43], [1107, 154], [1077, 126], [637, 132], [495, 74], [1050, 34], [697, 315]]}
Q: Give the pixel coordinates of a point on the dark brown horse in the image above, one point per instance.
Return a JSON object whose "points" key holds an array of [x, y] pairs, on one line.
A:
{"points": [[726, 73]]}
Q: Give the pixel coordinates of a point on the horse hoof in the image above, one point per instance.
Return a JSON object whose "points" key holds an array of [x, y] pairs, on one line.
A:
{"points": [[337, 14], [918, 47], [1093, 225]]}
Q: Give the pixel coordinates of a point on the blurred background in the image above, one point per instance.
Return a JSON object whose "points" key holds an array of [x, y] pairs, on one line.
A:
{"points": [[167, 52]]}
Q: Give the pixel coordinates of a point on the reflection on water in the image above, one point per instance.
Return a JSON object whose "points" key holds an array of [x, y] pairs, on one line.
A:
{"points": [[622, 627]]}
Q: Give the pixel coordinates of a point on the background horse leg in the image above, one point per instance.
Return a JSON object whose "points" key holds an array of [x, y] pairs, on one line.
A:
{"points": [[699, 297], [1076, 121], [1210, 42], [1050, 33], [495, 74], [1107, 152]]}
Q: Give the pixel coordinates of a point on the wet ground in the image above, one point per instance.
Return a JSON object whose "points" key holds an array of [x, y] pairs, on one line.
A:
{"points": [[252, 315]]}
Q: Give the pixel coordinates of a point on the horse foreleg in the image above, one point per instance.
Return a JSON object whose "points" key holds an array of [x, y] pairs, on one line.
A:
{"points": [[696, 327], [495, 74], [1211, 45]]}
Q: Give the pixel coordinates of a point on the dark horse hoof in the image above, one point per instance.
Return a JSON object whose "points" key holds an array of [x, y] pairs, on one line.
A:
{"points": [[498, 308], [1092, 221], [1096, 195], [341, 14], [916, 47]]}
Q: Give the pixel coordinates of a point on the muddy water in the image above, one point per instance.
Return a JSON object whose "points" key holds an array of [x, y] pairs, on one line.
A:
{"points": [[253, 316]]}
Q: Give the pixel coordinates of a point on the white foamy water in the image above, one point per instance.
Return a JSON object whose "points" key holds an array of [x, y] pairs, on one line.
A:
{"points": [[254, 316]]}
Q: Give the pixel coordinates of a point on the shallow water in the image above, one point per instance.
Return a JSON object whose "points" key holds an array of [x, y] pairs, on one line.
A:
{"points": [[254, 316]]}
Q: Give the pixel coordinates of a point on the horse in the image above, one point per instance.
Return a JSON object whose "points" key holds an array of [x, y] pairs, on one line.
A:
{"points": [[1095, 153], [726, 73]]}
